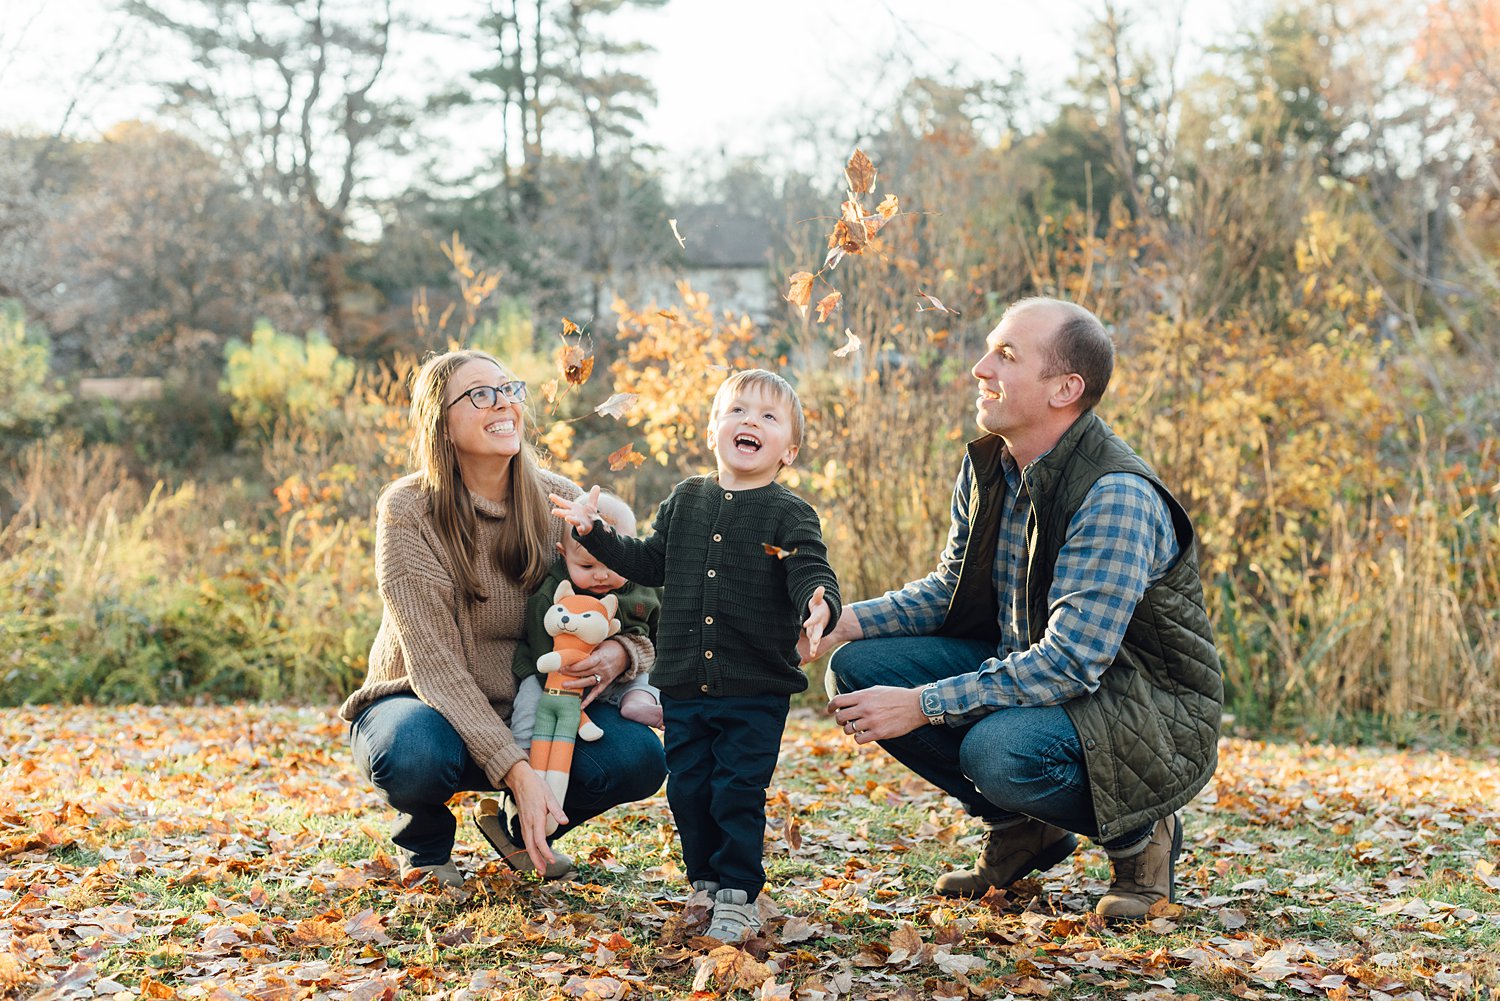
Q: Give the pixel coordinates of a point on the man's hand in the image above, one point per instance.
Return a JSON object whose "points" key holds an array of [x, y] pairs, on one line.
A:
{"points": [[845, 630], [815, 623], [579, 512], [878, 713]]}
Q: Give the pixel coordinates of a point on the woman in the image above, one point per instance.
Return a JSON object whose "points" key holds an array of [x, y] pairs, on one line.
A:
{"points": [[458, 547]]}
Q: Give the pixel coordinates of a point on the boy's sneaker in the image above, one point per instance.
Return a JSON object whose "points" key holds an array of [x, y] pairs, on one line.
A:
{"points": [[735, 916], [703, 893], [496, 821]]}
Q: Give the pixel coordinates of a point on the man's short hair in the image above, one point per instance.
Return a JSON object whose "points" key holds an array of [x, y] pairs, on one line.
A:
{"points": [[1080, 344]]}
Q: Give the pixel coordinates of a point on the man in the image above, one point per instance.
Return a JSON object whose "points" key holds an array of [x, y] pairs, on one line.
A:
{"points": [[1056, 672]]}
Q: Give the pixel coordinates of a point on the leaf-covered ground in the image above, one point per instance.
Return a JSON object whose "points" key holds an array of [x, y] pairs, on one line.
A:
{"points": [[233, 853]]}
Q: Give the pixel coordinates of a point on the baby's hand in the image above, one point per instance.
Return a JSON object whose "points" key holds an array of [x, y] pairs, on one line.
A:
{"points": [[579, 512], [816, 621]]}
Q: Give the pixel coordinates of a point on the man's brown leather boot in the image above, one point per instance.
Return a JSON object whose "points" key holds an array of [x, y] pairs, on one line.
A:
{"points": [[1008, 855], [1143, 879]]}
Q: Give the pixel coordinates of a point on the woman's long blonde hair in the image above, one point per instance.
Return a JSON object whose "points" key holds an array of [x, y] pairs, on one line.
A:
{"points": [[524, 552]]}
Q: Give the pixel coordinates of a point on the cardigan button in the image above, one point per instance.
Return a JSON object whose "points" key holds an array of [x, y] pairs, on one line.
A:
{"points": [[712, 574], [703, 689], [708, 655], [729, 495], [718, 537], [708, 620]]}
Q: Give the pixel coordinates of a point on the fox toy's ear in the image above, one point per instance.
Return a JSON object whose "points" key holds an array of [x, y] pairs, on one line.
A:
{"points": [[564, 590], [611, 604]]}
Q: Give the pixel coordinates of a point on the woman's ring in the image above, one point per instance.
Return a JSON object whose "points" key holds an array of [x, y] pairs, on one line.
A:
{"points": [[598, 678]]}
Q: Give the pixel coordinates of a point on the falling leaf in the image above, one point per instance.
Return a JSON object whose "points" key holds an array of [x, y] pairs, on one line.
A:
{"points": [[669, 314], [936, 304], [852, 232], [799, 292], [851, 344], [625, 455], [549, 391], [577, 363], [889, 206], [835, 254], [680, 241], [828, 304], [777, 551], [569, 327], [860, 173], [617, 406]]}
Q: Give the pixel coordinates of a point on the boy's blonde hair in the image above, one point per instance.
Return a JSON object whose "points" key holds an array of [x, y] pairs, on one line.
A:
{"points": [[769, 383]]}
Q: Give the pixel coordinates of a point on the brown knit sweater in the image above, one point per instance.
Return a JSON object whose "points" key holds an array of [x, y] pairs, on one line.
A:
{"points": [[454, 656]]}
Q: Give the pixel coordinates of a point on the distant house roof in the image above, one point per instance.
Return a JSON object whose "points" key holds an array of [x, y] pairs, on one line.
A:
{"points": [[720, 236]]}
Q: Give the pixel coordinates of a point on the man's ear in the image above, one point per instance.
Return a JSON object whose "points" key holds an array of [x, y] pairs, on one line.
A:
{"points": [[1068, 392]]}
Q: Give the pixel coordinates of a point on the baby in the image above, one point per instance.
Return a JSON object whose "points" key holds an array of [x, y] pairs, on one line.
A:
{"points": [[640, 607]]}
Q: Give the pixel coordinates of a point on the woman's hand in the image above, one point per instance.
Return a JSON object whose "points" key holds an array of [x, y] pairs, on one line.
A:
{"points": [[608, 661], [536, 803]]}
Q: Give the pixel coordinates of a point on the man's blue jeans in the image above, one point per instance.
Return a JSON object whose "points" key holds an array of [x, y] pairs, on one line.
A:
{"points": [[416, 761], [1013, 763]]}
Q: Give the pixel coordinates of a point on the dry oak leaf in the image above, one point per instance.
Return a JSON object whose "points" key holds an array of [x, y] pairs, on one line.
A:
{"points": [[849, 235], [860, 173], [617, 406], [828, 304], [851, 344], [569, 327], [732, 968], [889, 206], [576, 363], [799, 291], [625, 455]]}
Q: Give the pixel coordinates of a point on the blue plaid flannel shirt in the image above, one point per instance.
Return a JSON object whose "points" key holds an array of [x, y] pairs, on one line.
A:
{"points": [[1119, 542]]}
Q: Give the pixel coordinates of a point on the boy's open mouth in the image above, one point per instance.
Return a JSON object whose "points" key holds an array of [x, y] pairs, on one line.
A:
{"points": [[746, 442]]}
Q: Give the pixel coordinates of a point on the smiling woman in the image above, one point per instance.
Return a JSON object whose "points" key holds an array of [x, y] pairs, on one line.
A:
{"points": [[459, 546]]}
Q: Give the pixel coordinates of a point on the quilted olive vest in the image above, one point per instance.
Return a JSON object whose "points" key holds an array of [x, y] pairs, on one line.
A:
{"points": [[1150, 731]]}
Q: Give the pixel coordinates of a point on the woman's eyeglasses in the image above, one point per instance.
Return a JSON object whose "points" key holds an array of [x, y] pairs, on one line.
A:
{"points": [[487, 397]]}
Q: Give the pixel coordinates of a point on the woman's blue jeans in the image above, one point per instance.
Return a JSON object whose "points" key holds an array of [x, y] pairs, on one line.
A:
{"points": [[1013, 763], [417, 761]]}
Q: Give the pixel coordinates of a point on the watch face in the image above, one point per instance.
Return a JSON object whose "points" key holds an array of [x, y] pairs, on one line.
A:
{"points": [[929, 702]]}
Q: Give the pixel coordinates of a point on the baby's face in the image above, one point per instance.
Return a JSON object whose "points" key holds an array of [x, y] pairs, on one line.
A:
{"points": [[587, 573]]}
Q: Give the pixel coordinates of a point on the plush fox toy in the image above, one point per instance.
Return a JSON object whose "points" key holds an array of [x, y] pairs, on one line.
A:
{"points": [[577, 624]]}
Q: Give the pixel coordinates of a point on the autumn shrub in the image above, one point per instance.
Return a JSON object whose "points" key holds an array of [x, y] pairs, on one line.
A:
{"points": [[29, 396], [282, 378]]}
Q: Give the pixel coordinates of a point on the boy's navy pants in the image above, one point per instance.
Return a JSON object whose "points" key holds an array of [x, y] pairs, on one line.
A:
{"points": [[721, 753]]}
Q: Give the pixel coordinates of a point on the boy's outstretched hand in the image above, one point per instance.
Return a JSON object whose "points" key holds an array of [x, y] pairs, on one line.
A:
{"points": [[816, 621], [579, 512]]}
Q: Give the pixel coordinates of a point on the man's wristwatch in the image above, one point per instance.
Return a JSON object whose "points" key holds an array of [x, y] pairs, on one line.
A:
{"points": [[931, 708]]}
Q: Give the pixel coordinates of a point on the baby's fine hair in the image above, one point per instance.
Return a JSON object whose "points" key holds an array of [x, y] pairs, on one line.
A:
{"points": [[767, 382], [615, 513]]}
